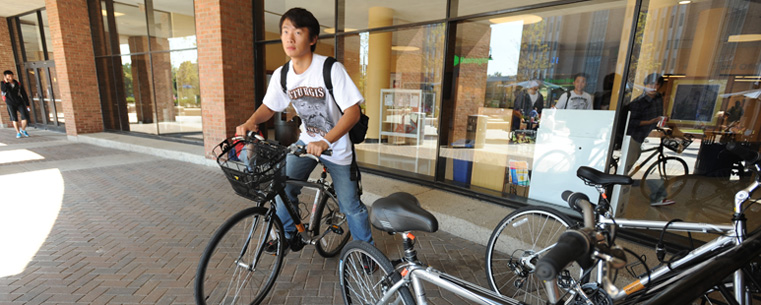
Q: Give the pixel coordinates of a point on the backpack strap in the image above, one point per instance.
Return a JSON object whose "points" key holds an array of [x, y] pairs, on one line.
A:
{"points": [[567, 99], [326, 68], [283, 76]]}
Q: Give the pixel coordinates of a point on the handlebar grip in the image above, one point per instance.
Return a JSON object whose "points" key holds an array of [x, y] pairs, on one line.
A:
{"points": [[750, 156], [327, 152], [573, 199], [571, 246]]}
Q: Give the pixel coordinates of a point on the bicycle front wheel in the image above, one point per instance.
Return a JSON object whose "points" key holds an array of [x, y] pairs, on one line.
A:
{"points": [[665, 171], [366, 274], [516, 244], [234, 268], [329, 218]]}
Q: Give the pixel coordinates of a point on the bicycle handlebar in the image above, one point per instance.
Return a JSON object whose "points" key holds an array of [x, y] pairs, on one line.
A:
{"points": [[571, 246], [295, 149]]}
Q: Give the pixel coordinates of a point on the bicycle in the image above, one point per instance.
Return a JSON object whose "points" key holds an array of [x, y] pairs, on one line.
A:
{"points": [[367, 276], [597, 239], [665, 167], [234, 267]]}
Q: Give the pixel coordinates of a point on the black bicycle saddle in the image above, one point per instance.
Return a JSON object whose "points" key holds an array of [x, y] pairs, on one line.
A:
{"points": [[401, 212], [595, 177]]}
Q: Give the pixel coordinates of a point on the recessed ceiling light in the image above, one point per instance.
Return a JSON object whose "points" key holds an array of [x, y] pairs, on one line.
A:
{"points": [[744, 38], [685, 2], [116, 14], [404, 48], [527, 19], [333, 30]]}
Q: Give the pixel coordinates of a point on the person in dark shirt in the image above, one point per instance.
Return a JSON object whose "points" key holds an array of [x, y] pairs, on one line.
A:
{"points": [[16, 101], [646, 110]]}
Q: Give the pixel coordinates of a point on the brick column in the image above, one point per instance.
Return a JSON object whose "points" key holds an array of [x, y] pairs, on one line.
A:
{"points": [[75, 65], [6, 63], [224, 33]]}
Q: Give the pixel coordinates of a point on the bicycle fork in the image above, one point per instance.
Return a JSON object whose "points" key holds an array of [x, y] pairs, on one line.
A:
{"points": [[260, 247]]}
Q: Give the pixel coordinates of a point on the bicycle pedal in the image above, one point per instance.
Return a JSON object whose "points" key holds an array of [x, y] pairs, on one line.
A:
{"points": [[336, 229]]}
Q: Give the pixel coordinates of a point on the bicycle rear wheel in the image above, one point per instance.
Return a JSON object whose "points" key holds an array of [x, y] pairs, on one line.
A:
{"points": [[366, 274], [516, 244], [234, 268], [329, 217], [665, 170]]}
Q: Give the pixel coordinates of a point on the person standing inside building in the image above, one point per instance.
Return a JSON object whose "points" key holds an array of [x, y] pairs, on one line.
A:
{"points": [[529, 99], [576, 98], [646, 110], [323, 126], [16, 101]]}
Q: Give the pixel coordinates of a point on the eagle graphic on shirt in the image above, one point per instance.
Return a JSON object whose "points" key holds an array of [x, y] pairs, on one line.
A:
{"points": [[311, 105]]}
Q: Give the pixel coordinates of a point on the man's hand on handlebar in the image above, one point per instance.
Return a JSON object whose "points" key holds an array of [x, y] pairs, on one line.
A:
{"points": [[243, 129], [317, 147]]}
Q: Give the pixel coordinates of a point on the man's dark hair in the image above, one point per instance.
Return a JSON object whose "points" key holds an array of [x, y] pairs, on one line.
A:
{"points": [[577, 75], [6, 72], [301, 18], [654, 78]]}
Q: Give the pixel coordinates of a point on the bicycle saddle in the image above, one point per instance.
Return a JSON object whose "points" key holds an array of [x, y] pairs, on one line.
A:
{"points": [[401, 212], [595, 177]]}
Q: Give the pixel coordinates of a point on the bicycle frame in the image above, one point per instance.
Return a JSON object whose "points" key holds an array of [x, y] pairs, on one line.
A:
{"points": [[732, 235], [414, 272]]}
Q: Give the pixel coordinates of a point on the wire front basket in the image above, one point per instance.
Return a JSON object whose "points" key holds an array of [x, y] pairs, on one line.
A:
{"points": [[251, 166], [676, 144]]}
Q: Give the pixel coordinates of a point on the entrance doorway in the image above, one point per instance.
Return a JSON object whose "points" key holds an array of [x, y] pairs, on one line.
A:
{"points": [[45, 98]]}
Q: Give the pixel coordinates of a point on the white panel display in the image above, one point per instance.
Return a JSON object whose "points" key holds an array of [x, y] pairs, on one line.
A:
{"points": [[567, 139]]}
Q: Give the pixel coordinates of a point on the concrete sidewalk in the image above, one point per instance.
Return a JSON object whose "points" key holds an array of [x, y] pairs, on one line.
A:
{"points": [[116, 219]]}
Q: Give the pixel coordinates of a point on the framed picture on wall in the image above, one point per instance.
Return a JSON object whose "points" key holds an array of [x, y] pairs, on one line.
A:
{"points": [[695, 101]]}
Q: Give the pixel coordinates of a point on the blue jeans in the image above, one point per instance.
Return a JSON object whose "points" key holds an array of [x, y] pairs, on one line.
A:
{"points": [[346, 191]]}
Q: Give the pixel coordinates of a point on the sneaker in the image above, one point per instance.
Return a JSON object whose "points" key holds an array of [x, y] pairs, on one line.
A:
{"points": [[18, 135], [25, 133], [369, 265], [661, 203]]}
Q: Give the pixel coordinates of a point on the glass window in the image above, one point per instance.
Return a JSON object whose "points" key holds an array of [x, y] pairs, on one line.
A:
{"points": [[30, 32], [399, 74], [709, 97], [377, 13], [99, 26], [48, 38], [137, 88], [131, 26], [178, 95], [323, 10], [510, 71], [173, 26]]}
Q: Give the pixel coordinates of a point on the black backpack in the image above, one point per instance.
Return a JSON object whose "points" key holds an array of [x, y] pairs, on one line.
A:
{"points": [[358, 132]]}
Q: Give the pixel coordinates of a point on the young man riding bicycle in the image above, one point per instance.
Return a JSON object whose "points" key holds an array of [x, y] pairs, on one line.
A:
{"points": [[323, 126]]}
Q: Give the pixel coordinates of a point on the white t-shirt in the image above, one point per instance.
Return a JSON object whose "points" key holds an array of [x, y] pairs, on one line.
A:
{"points": [[583, 101], [312, 101]]}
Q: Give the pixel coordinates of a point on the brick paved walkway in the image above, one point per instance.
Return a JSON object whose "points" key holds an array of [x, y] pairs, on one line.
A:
{"points": [[92, 225]]}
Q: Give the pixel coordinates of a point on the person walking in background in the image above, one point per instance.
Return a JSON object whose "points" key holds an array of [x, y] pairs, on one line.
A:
{"points": [[646, 111], [16, 101], [529, 99], [576, 98]]}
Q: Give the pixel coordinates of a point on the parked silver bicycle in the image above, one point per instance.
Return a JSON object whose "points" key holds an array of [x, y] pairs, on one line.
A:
{"points": [[367, 276], [526, 280]]}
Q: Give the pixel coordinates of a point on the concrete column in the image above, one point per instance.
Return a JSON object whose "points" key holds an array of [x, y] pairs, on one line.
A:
{"points": [[224, 31], [378, 66], [142, 80], [75, 65], [6, 63]]}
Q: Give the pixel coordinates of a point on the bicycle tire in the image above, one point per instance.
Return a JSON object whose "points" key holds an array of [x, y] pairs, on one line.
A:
{"points": [[360, 284], [328, 213], [665, 169], [532, 229], [220, 279]]}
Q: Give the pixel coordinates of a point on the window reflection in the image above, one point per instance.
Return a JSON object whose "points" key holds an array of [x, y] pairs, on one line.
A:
{"points": [[178, 93], [511, 71], [131, 27], [173, 25], [323, 10], [708, 53]]}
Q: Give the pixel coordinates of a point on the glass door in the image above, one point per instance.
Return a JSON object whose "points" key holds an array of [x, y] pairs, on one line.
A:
{"points": [[43, 94]]}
